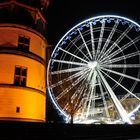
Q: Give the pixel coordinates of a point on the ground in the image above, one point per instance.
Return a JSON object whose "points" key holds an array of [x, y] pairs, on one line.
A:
{"points": [[49, 131]]}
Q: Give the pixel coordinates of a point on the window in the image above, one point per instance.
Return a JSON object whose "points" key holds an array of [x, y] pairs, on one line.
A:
{"points": [[23, 43], [20, 76], [17, 109]]}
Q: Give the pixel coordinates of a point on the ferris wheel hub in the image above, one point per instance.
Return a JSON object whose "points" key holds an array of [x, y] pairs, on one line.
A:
{"points": [[92, 64]]}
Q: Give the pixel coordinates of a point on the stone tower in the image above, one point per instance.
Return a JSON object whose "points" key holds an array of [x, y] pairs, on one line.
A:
{"points": [[23, 60]]}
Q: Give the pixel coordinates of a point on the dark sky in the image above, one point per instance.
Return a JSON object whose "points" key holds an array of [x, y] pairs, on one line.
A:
{"points": [[62, 15]]}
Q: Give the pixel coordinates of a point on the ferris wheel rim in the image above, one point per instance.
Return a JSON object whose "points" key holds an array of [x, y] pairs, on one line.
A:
{"points": [[94, 18]]}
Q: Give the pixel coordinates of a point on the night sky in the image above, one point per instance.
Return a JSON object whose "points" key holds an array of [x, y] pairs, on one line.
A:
{"points": [[62, 15]]}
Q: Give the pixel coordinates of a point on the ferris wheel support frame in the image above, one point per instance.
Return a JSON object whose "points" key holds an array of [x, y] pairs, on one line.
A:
{"points": [[121, 110]]}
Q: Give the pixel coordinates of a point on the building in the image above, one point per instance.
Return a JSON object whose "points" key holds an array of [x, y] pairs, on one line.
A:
{"points": [[23, 60]]}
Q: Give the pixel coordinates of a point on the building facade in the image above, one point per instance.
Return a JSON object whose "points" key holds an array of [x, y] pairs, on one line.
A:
{"points": [[23, 60]]}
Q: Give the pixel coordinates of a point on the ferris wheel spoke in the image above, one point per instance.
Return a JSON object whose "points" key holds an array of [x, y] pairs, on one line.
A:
{"points": [[84, 85], [121, 66], [126, 96], [90, 99], [79, 49], [93, 81], [71, 86], [120, 109], [103, 97], [76, 104], [122, 57], [85, 93], [69, 62], [68, 70], [117, 41], [121, 74], [71, 77], [73, 55], [85, 44], [92, 39], [121, 86], [100, 39], [124, 47], [79, 97], [108, 40], [79, 90], [65, 107]]}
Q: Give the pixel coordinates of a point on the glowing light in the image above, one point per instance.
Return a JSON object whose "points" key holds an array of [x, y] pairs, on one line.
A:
{"points": [[92, 64]]}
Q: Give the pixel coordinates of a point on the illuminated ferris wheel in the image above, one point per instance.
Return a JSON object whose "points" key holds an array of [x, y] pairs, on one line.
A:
{"points": [[94, 71]]}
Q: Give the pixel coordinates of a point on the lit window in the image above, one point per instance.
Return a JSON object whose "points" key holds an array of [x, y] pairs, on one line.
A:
{"points": [[20, 76], [23, 43]]}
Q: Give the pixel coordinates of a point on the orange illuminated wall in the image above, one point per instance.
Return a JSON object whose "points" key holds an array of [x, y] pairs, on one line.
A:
{"points": [[31, 97], [22, 67]]}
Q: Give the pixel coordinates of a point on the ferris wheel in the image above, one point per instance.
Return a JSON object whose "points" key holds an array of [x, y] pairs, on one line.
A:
{"points": [[94, 71]]}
